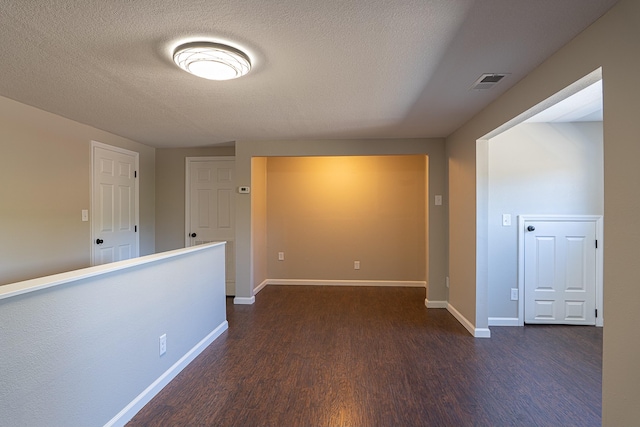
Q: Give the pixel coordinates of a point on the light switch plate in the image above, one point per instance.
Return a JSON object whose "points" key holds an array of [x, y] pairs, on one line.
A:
{"points": [[506, 220], [85, 215], [438, 200]]}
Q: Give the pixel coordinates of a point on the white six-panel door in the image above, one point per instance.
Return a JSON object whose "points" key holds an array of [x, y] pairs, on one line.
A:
{"points": [[210, 207], [560, 272], [114, 204]]}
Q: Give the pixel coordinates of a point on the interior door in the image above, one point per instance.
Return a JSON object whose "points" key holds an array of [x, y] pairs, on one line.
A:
{"points": [[211, 207], [114, 204], [560, 272]]}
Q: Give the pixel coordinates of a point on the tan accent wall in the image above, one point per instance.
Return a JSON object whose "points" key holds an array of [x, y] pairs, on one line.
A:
{"points": [[610, 43], [45, 183], [170, 188], [324, 213]]}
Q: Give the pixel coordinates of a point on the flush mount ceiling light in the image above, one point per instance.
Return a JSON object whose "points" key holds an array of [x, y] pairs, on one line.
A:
{"points": [[212, 61]]}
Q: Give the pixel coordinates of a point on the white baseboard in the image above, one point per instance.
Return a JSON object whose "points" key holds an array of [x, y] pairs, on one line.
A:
{"points": [[244, 300], [503, 321], [260, 287], [476, 332], [482, 333], [307, 282], [435, 304], [145, 397]]}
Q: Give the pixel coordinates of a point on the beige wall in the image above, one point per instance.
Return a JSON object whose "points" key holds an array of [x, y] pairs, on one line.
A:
{"points": [[325, 213], [433, 148], [610, 43], [259, 219], [45, 175], [170, 197]]}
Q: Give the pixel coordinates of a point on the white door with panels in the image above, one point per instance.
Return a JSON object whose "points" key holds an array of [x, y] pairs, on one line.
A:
{"points": [[114, 224], [210, 207], [560, 272]]}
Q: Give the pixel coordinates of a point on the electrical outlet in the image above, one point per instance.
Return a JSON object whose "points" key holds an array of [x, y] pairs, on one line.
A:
{"points": [[163, 344], [514, 294], [356, 265], [280, 256]]}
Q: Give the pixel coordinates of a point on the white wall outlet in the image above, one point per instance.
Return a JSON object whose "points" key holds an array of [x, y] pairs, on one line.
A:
{"points": [[514, 294], [85, 215], [163, 344], [446, 281], [356, 265], [280, 256], [244, 190], [438, 200], [506, 220]]}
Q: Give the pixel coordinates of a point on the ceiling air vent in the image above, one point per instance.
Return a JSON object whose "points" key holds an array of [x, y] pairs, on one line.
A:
{"points": [[487, 81]]}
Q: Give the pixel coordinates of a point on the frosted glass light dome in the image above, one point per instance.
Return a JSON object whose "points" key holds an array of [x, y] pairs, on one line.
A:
{"points": [[212, 61]]}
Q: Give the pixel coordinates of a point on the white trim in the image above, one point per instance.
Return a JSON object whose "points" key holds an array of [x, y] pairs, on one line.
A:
{"points": [[187, 191], [482, 333], [503, 321], [313, 282], [435, 304], [260, 287], [476, 332], [599, 258], [129, 411], [244, 300], [136, 156]]}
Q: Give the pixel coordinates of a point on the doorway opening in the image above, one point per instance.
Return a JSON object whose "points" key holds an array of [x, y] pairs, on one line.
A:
{"points": [[340, 220], [547, 161]]}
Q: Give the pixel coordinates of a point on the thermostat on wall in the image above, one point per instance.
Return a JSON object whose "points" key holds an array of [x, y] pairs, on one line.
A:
{"points": [[244, 190]]}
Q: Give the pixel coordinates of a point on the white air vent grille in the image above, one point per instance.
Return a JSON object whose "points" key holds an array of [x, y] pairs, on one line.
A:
{"points": [[487, 81]]}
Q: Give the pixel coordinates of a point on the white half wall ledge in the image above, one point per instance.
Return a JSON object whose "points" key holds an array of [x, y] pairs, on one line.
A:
{"points": [[476, 332], [18, 288]]}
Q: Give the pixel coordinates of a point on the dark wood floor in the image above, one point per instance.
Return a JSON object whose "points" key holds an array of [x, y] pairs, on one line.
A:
{"points": [[337, 356]]}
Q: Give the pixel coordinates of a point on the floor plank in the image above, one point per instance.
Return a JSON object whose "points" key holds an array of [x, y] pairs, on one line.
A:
{"points": [[342, 356]]}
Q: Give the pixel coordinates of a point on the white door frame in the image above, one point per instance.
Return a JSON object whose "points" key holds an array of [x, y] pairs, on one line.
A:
{"points": [[136, 156], [597, 219], [187, 190]]}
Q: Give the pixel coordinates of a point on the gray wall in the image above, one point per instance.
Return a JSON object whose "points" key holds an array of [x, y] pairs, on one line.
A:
{"points": [[78, 353], [45, 171], [610, 43], [537, 168]]}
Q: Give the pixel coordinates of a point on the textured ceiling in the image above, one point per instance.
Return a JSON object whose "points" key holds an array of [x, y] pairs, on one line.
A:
{"points": [[322, 69]]}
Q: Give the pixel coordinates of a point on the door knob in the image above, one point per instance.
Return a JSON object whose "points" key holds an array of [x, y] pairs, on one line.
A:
{"points": [[193, 234], [531, 228], [99, 241]]}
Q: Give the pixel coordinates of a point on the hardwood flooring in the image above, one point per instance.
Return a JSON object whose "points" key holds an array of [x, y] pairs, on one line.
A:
{"points": [[340, 356]]}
